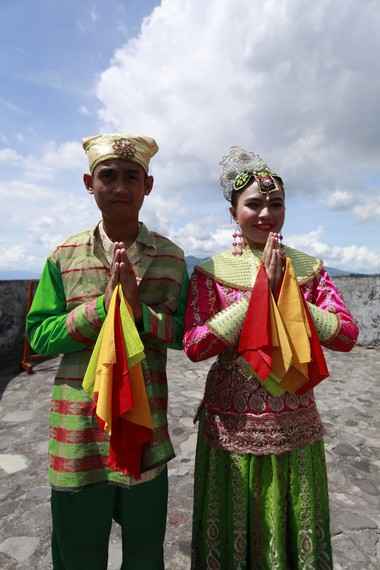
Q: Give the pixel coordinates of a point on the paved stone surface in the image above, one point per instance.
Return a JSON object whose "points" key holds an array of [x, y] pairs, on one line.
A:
{"points": [[349, 405]]}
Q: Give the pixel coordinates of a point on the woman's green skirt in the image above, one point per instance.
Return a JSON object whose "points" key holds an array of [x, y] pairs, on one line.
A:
{"points": [[267, 512]]}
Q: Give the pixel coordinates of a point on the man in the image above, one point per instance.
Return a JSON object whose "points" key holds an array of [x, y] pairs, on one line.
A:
{"points": [[67, 313]]}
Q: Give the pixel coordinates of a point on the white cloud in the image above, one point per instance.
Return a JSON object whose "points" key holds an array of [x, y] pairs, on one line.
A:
{"points": [[67, 156], [369, 210], [21, 192], [281, 79], [365, 210], [288, 82], [15, 256], [202, 238], [9, 155], [288, 79], [36, 218], [156, 213], [350, 257], [340, 200]]}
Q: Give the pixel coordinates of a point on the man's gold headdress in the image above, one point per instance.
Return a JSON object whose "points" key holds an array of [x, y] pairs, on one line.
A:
{"points": [[102, 147]]}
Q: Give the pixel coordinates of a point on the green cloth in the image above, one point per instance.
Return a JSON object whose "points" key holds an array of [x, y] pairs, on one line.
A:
{"points": [[267, 512], [82, 522]]}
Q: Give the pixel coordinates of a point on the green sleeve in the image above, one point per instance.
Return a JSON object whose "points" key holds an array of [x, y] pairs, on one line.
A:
{"points": [[326, 323], [165, 326], [50, 328], [227, 323]]}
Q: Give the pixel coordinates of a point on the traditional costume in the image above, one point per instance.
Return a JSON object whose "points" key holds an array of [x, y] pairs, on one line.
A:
{"points": [[66, 317], [260, 496]]}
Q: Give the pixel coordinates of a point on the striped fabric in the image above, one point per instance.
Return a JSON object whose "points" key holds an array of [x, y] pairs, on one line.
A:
{"points": [[66, 316]]}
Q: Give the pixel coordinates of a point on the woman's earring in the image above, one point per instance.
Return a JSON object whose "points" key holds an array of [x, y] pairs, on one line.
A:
{"points": [[238, 242]]}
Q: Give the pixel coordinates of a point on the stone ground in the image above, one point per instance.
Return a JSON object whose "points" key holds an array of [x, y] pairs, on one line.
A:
{"points": [[349, 404]]}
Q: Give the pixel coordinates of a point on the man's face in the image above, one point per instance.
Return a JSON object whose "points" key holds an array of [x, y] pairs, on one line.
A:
{"points": [[119, 187]]}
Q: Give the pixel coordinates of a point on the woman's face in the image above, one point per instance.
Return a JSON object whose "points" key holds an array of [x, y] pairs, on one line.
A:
{"points": [[259, 213]]}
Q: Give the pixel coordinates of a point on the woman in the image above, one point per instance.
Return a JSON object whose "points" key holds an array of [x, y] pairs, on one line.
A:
{"points": [[261, 498]]}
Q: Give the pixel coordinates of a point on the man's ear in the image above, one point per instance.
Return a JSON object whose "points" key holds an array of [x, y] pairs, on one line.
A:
{"points": [[148, 185], [87, 180]]}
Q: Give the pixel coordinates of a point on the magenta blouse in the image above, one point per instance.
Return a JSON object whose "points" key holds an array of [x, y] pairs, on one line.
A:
{"points": [[238, 414]]}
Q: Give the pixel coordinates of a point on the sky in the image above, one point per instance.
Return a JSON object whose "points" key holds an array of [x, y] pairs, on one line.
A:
{"points": [[295, 81]]}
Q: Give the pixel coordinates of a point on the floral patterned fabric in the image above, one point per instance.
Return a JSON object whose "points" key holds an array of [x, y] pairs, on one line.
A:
{"points": [[267, 512]]}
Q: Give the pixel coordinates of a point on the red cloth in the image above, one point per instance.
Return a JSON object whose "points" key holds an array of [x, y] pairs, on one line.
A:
{"points": [[255, 344], [317, 369]]}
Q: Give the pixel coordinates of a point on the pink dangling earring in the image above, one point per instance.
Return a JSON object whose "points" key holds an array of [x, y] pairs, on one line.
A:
{"points": [[237, 241]]}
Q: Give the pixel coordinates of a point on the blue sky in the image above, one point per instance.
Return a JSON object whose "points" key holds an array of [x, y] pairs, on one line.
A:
{"points": [[50, 58], [298, 86]]}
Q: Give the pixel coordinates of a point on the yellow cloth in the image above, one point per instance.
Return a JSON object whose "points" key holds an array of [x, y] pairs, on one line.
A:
{"points": [[290, 306], [140, 413], [290, 334], [282, 355], [99, 374]]}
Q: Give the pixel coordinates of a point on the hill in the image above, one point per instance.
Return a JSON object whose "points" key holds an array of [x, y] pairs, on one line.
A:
{"points": [[191, 261], [18, 275]]}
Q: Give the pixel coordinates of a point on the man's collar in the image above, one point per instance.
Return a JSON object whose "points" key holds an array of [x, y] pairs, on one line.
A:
{"points": [[144, 236]]}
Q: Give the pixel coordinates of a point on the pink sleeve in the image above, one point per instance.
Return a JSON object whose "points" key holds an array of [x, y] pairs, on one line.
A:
{"points": [[203, 302], [323, 293]]}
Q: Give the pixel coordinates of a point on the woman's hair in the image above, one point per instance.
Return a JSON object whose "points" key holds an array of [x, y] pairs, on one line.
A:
{"points": [[236, 161]]}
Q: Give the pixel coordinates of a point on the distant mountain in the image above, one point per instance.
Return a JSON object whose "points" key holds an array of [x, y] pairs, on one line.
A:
{"points": [[192, 261], [333, 272], [18, 275]]}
